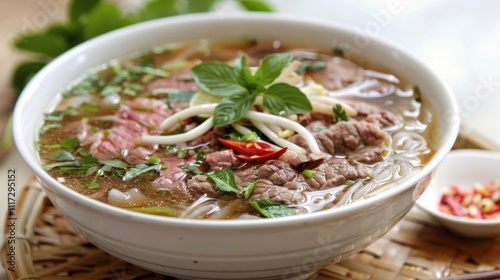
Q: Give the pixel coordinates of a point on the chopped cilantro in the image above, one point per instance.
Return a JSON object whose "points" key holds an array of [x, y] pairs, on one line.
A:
{"points": [[340, 113]]}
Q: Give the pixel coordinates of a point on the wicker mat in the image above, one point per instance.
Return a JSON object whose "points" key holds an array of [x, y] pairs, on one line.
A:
{"points": [[416, 248]]}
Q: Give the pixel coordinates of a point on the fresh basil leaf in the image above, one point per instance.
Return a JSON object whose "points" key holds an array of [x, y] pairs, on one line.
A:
{"points": [[284, 99], [23, 74], [140, 169], [224, 180], [243, 74], [271, 209], [116, 163], [158, 9], [249, 189], [51, 45], [310, 66], [245, 77], [69, 143], [49, 167], [256, 5], [62, 156], [232, 108], [340, 113], [271, 66], [217, 79], [156, 210], [80, 8]]}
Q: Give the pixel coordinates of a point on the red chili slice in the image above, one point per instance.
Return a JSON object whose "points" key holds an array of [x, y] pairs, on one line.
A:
{"points": [[261, 158], [247, 148]]}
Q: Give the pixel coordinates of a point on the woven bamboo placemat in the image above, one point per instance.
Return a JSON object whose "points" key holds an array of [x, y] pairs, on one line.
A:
{"points": [[416, 248]]}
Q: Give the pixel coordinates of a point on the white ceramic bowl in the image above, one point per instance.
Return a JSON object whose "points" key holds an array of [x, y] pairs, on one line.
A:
{"points": [[463, 168], [243, 249]]}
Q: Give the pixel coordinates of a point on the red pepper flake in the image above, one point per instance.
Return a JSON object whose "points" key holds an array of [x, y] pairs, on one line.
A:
{"points": [[483, 202]]}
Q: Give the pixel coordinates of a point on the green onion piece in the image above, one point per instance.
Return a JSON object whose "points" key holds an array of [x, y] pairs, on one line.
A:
{"points": [[308, 173], [349, 182]]}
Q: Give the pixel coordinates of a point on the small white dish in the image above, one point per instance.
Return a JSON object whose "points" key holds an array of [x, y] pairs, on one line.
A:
{"points": [[463, 168]]}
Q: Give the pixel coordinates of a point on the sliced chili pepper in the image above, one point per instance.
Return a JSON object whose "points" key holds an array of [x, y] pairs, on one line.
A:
{"points": [[261, 158], [247, 148]]}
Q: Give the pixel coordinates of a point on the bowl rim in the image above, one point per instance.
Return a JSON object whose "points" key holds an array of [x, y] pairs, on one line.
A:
{"points": [[277, 18], [457, 155]]}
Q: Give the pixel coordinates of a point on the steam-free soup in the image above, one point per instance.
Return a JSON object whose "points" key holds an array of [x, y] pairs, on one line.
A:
{"points": [[223, 131]]}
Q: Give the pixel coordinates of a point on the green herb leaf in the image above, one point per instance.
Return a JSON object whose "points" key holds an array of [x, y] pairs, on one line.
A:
{"points": [[271, 66], [54, 116], [103, 18], [339, 111], [284, 99], [197, 6], [140, 169], [69, 143], [51, 45], [224, 180], [271, 209], [243, 74], [156, 210], [62, 156], [89, 108], [310, 65], [232, 108], [158, 9], [93, 185], [23, 74], [49, 167], [249, 189], [144, 109], [181, 97], [116, 163], [217, 79], [48, 127], [256, 5], [80, 8]]}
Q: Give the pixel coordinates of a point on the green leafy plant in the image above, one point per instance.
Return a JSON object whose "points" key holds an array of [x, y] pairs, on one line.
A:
{"points": [[240, 88], [90, 18]]}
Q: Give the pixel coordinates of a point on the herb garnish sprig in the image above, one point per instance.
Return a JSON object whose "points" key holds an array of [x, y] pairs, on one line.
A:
{"points": [[225, 182], [240, 88]]}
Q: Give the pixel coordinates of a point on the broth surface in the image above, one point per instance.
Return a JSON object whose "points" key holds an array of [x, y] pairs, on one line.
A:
{"points": [[93, 141]]}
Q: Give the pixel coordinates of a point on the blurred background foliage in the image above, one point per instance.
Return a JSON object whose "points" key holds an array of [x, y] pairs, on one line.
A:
{"points": [[90, 18]]}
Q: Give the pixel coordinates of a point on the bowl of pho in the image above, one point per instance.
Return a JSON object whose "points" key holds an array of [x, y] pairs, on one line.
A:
{"points": [[250, 146]]}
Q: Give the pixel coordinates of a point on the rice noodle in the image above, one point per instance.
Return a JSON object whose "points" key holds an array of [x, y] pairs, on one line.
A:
{"points": [[277, 120], [276, 139], [187, 113], [326, 100], [180, 138]]}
